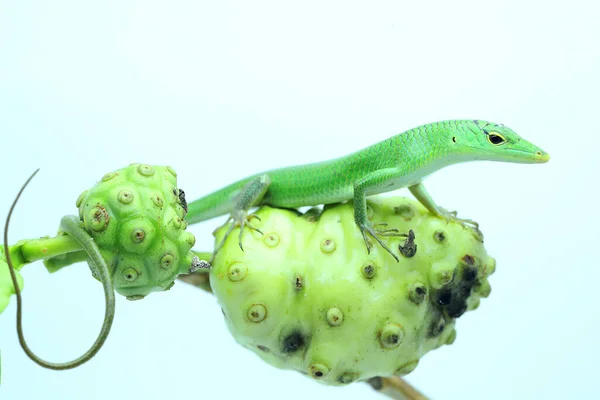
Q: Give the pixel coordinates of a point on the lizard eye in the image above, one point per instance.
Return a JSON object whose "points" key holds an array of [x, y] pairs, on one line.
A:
{"points": [[496, 139]]}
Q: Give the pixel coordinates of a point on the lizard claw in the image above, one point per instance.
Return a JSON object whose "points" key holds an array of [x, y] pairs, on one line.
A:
{"points": [[450, 216], [387, 232], [253, 216], [246, 222], [242, 220], [376, 233]]}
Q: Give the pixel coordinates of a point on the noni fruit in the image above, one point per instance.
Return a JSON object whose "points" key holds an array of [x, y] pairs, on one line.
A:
{"points": [[305, 295], [136, 216]]}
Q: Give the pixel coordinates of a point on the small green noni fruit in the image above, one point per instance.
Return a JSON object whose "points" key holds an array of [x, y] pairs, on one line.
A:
{"points": [[306, 296], [136, 216]]}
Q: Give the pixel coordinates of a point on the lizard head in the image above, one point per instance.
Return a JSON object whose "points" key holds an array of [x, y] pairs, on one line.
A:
{"points": [[496, 142]]}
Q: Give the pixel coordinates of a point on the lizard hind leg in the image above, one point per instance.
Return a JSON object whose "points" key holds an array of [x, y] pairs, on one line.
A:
{"points": [[424, 198]]}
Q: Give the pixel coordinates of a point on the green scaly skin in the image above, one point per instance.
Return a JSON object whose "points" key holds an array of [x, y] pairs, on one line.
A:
{"points": [[304, 296], [401, 161]]}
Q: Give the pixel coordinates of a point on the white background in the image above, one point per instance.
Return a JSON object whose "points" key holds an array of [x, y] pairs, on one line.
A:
{"points": [[222, 89]]}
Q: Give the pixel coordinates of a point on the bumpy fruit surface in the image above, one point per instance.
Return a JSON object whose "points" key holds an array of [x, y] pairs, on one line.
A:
{"points": [[6, 285], [306, 295], [136, 216]]}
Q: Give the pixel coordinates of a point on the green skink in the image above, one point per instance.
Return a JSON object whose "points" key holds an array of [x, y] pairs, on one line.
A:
{"points": [[401, 161]]}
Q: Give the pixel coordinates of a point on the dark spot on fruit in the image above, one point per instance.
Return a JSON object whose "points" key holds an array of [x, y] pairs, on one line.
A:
{"points": [[437, 327], [469, 259], [376, 383], [439, 236], [461, 295], [410, 247], [444, 297], [454, 297], [319, 374], [263, 348], [457, 309], [293, 342], [469, 273], [405, 211], [298, 282]]}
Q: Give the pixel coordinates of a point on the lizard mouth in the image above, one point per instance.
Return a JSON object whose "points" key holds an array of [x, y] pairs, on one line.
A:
{"points": [[542, 157], [539, 156]]}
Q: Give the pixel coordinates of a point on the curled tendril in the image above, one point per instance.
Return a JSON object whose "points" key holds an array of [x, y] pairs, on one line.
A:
{"points": [[70, 225]]}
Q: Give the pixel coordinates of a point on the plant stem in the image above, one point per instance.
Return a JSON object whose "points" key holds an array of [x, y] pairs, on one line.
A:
{"points": [[396, 388], [27, 251], [39, 249]]}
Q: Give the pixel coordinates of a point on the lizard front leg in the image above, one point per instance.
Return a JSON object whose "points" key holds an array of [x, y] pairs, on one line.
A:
{"points": [[424, 198], [373, 180], [249, 196]]}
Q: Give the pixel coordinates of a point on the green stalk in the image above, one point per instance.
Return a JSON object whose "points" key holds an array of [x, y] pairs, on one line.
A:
{"points": [[39, 249], [64, 260], [62, 251], [28, 251]]}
